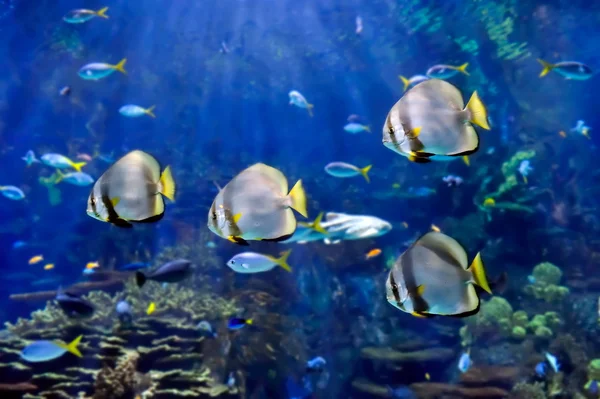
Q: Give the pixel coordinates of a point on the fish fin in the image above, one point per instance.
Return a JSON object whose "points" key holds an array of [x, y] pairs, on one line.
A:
{"points": [[236, 218], [472, 299], [466, 160], [316, 225], [282, 261], [413, 157], [298, 197], [71, 346], [547, 67], [77, 166], [155, 218], [140, 279], [278, 239], [477, 112], [364, 171], [249, 321], [167, 184], [478, 270], [405, 82], [420, 289], [309, 108], [419, 315], [367, 128], [463, 68], [114, 201], [121, 66], [238, 241], [59, 176], [120, 223], [102, 12], [414, 132], [149, 111]]}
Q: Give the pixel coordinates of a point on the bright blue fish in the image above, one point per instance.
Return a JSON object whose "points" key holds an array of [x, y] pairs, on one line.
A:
{"points": [[43, 351], [236, 323], [540, 369], [12, 192]]}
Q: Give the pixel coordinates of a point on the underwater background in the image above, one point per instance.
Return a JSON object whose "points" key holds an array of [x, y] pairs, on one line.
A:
{"points": [[219, 74]]}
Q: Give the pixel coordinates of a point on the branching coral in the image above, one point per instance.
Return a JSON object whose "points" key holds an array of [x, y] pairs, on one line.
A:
{"points": [[118, 382], [525, 390]]}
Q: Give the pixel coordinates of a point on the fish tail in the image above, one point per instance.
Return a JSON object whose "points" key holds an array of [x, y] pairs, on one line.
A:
{"points": [[72, 346], [121, 66], [167, 184], [140, 279], [463, 68], [367, 128], [466, 160], [547, 67], [316, 225], [282, 261], [298, 197], [405, 81], [149, 111], [477, 269], [59, 176], [364, 171], [524, 179], [249, 321], [310, 107], [477, 111], [102, 12], [77, 166]]}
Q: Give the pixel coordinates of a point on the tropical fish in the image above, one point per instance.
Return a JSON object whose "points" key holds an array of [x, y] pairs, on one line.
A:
{"points": [[43, 351], [134, 266], [74, 305], [252, 262], [432, 277], [19, 244], [61, 162], [568, 69], [65, 91], [49, 266], [99, 70], [412, 81], [92, 265], [83, 15], [353, 118], [36, 259], [435, 228], [525, 169], [343, 169], [541, 369], [430, 123], [171, 272], [316, 364], [231, 380], [12, 192], [151, 308], [255, 205], [373, 253], [297, 99], [129, 191], [552, 361], [355, 128], [236, 323], [88, 271], [464, 363], [582, 129], [489, 203], [84, 157], [442, 71], [81, 179], [30, 158], [124, 312], [206, 327], [134, 111], [359, 25]]}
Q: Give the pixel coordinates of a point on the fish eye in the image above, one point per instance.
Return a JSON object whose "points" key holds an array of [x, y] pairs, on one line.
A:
{"points": [[92, 201], [233, 262], [391, 130], [214, 215]]}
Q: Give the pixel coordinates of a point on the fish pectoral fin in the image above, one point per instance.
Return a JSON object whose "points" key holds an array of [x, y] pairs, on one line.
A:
{"points": [[114, 201], [236, 218], [238, 240]]}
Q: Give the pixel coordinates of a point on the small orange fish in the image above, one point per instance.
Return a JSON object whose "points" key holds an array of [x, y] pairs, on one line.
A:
{"points": [[435, 228], [562, 134], [92, 265], [373, 253], [49, 266], [36, 259]]}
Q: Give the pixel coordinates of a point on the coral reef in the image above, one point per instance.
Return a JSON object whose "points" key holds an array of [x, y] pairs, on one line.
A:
{"points": [[524, 390], [119, 382], [546, 278]]}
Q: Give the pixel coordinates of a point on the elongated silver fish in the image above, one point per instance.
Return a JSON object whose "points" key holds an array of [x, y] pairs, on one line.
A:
{"points": [[432, 277], [131, 190]]}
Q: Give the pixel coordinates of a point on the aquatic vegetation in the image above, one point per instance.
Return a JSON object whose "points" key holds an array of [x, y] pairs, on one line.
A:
{"points": [[546, 278]]}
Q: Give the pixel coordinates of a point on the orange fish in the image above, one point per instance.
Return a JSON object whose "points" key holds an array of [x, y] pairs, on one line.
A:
{"points": [[435, 228], [373, 253], [36, 259], [49, 266], [562, 134], [92, 265]]}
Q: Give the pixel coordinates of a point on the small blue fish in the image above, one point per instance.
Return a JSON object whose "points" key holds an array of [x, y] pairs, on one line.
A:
{"points": [[553, 362], [421, 191], [30, 158], [12, 192], [124, 312], [355, 128], [99, 70], [76, 178], [231, 380], [82, 15], [464, 363], [134, 111], [568, 69], [211, 244], [236, 323], [131, 267], [316, 364], [540, 369], [205, 327], [592, 387], [531, 279], [89, 271], [43, 351], [19, 244]]}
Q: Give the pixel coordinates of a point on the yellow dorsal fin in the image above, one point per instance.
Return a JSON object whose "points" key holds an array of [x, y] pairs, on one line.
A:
{"points": [[102, 12], [466, 160], [167, 184], [364, 171], [477, 112], [298, 197], [477, 269]]}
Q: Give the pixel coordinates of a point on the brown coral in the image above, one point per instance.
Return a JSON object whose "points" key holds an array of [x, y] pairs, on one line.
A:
{"points": [[118, 382]]}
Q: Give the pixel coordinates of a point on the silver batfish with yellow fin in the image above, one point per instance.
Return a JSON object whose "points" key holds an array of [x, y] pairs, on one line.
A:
{"points": [[433, 278], [255, 205], [131, 190], [431, 123]]}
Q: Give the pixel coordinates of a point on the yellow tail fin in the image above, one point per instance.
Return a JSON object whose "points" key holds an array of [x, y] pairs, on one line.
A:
{"points": [[367, 128], [364, 171], [298, 197], [405, 81], [309, 108], [282, 261], [72, 346], [316, 225], [149, 111], [59, 176], [477, 112], [477, 269], [121, 66], [249, 321], [102, 13], [547, 67], [466, 160], [167, 184], [77, 166], [463, 68]]}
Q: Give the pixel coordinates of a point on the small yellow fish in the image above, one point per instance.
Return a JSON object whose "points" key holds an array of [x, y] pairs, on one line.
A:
{"points": [[396, 186], [562, 134], [435, 228], [373, 253], [151, 308], [36, 259], [92, 265], [489, 202], [49, 266], [427, 377], [405, 225]]}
